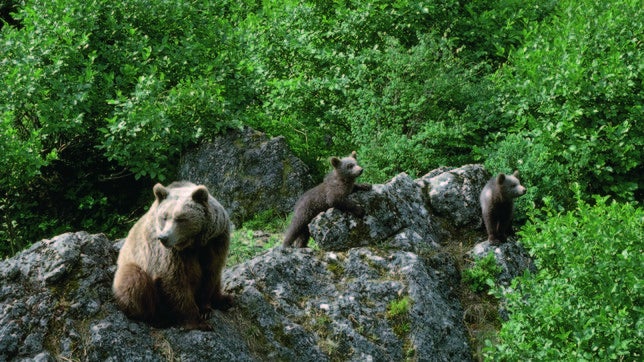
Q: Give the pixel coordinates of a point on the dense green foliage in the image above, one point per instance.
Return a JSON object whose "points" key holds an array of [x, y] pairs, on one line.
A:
{"points": [[97, 94], [586, 302], [99, 98], [403, 83], [571, 101]]}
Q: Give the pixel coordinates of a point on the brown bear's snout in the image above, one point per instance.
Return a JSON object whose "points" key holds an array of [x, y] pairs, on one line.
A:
{"points": [[165, 240]]}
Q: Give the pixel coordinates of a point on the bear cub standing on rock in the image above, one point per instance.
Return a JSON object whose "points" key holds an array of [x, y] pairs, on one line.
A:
{"points": [[332, 192], [497, 204], [169, 268]]}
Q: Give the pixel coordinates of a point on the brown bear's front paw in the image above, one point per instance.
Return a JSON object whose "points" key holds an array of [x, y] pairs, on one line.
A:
{"points": [[223, 302], [497, 241], [205, 312], [301, 243], [359, 211], [201, 325], [362, 187]]}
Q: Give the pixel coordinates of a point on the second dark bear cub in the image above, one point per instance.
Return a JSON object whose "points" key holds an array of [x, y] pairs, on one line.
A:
{"points": [[332, 192], [497, 205]]}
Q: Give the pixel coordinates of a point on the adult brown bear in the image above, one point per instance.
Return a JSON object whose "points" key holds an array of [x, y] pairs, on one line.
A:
{"points": [[169, 269]]}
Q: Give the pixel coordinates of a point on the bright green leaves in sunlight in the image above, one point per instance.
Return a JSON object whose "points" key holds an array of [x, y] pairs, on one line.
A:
{"points": [[585, 303]]}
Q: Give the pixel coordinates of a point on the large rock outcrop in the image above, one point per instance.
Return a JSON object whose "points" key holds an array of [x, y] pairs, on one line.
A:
{"points": [[389, 293], [248, 173], [56, 304], [404, 213], [319, 306], [304, 305], [395, 216], [453, 193]]}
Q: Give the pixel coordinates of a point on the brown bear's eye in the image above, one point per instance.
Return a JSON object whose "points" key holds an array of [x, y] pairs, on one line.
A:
{"points": [[181, 218]]}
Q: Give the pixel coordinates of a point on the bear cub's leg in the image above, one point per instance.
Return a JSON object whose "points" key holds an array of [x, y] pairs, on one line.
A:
{"points": [[298, 232]]}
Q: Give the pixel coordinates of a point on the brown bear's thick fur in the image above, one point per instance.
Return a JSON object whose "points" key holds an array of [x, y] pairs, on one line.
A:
{"points": [[169, 269], [497, 205], [332, 192]]}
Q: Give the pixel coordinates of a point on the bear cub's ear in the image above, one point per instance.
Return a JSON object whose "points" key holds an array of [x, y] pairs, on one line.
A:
{"points": [[335, 162], [501, 178], [200, 195], [354, 155], [160, 192]]}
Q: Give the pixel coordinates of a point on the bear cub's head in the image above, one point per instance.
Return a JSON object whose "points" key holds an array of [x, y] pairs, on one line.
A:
{"points": [[347, 168], [510, 185], [181, 213]]}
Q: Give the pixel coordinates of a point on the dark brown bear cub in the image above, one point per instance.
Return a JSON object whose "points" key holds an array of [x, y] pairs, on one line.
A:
{"points": [[497, 205], [332, 192], [169, 268]]}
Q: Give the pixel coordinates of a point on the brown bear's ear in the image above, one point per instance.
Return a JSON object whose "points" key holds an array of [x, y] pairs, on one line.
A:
{"points": [[160, 192], [354, 155], [335, 162], [501, 178], [200, 195], [516, 173]]}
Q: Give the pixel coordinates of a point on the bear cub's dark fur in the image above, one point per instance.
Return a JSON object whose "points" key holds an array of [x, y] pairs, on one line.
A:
{"points": [[497, 205], [332, 192]]}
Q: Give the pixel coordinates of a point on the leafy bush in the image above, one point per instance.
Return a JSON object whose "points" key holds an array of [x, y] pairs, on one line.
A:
{"points": [[401, 82], [178, 61], [569, 103], [398, 314], [96, 94], [100, 98], [482, 275], [408, 114], [585, 303], [491, 30]]}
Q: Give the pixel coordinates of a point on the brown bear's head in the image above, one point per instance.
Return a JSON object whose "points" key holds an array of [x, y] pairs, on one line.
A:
{"points": [[181, 214], [347, 168]]}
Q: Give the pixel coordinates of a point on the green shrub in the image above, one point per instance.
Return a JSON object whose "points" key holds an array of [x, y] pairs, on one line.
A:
{"points": [[482, 275], [180, 81], [96, 94], [491, 30], [400, 82], [398, 314], [585, 302], [100, 98], [410, 111], [570, 103]]}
